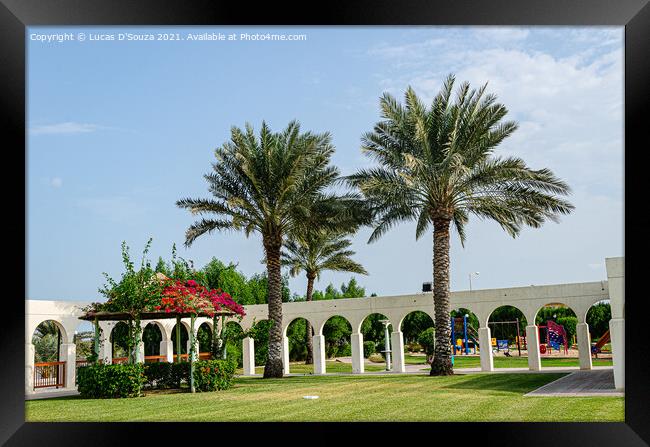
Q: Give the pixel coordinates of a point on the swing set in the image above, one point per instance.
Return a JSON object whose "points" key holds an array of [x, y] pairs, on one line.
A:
{"points": [[504, 341]]}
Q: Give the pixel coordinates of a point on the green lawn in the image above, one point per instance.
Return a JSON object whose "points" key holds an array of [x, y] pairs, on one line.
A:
{"points": [[479, 397], [507, 362]]}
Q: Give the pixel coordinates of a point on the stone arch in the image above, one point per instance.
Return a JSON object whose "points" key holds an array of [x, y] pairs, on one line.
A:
{"points": [[120, 352], [341, 345], [185, 335], [420, 326], [295, 318], [203, 344], [562, 314], [152, 334], [466, 323], [62, 337], [508, 324]]}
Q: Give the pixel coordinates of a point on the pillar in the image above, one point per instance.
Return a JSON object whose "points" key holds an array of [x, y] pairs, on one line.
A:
{"points": [[397, 346], [285, 354], [30, 352], [140, 352], [249, 356], [357, 353], [616, 286], [532, 342], [105, 346], [485, 345], [167, 349], [617, 334], [318, 345], [584, 345], [69, 355]]}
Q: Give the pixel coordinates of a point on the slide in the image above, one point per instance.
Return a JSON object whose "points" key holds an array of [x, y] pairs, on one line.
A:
{"points": [[603, 340]]}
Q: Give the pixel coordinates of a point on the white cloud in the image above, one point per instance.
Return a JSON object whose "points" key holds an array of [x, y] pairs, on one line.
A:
{"points": [[68, 127], [56, 182]]}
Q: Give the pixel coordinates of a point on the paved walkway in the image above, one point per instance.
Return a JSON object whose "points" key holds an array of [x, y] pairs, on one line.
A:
{"points": [[49, 394], [597, 382]]}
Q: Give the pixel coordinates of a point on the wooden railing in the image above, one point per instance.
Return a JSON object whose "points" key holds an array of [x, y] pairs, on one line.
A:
{"points": [[162, 358], [155, 358], [49, 374], [83, 363]]}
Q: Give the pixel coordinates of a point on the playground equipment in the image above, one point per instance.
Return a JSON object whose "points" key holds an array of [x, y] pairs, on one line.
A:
{"points": [[502, 341], [601, 342], [469, 335], [555, 337]]}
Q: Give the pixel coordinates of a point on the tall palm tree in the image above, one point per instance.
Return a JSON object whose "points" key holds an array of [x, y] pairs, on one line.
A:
{"points": [[437, 167], [268, 185], [313, 252]]}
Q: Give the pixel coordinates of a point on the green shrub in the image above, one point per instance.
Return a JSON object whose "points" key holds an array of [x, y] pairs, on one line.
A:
{"points": [[234, 352], [369, 348], [344, 350], [426, 340], [213, 375], [376, 358], [412, 347], [164, 375], [111, 381]]}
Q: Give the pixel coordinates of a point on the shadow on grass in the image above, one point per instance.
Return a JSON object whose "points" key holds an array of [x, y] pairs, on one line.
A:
{"points": [[509, 383]]}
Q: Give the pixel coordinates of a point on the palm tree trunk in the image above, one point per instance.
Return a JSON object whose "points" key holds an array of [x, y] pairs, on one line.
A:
{"points": [[273, 367], [308, 340], [441, 365]]}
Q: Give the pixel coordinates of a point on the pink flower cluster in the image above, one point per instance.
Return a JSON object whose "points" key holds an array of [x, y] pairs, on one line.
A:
{"points": [[191, 297]]}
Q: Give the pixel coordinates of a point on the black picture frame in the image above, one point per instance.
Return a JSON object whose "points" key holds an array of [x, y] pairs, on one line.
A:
{"points": [[634, 15]]}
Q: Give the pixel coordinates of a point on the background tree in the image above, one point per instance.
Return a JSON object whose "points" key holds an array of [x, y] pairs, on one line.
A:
{"points": [[267, 185], [314, 251], [437, 167]]}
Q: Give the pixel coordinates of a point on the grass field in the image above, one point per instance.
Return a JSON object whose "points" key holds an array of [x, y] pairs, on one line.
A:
{"points": [[507, 362], [480, 397]]}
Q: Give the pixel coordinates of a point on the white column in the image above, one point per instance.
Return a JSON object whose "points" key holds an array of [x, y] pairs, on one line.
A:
{"points": [[167, 349], [140, 353], [357, 353], [249, 356], [69, 355], [105, 346], [485, 346], [285, 354], [318, 345], [584, 345], [532, 342], [397, 347], [617, 334], [30, 352], [616, 286]]}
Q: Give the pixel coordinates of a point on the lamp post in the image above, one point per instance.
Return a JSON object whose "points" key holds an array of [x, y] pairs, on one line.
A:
{"points": [[470, 279], [386, 343]]}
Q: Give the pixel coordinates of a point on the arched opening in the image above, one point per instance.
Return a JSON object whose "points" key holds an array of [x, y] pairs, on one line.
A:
{"points": [[204, 337], [508, 332], [260, 334], [597, 317], [233, 336], [185, 336], [373, 328], [151, 338], [119, 339], [418, 330], [84, 340], [299, 344], [338, 349], [49, 359], [557, 324]]}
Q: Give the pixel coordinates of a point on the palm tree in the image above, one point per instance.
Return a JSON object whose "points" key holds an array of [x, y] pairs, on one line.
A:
{"points": [[314, 251], [268, 185], [437, 167]]}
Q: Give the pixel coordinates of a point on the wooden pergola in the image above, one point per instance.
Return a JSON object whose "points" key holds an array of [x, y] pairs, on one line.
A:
{"points": [[96, 317]]}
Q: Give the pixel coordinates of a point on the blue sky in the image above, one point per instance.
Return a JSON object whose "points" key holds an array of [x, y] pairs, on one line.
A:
{"points": [[119, 130]]}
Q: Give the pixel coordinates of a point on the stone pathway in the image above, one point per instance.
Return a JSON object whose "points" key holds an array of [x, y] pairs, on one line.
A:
{"points": [[597, 382]]}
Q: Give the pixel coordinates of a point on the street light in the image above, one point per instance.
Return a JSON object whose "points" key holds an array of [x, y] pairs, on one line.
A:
{"points": [[387, 349], [470, 279]]}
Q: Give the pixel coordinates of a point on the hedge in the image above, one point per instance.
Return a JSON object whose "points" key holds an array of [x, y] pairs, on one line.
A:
{"points": [[213, 375], [111, 381]]}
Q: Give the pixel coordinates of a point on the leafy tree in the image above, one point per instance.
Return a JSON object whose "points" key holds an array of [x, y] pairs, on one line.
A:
{"points": [[437, 167], [268, 185], [414, 324], [314, 251], [426, 339], [598, 317]]}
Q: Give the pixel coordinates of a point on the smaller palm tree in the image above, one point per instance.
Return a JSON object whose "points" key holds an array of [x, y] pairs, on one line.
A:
{"points": [[313, 252]]}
